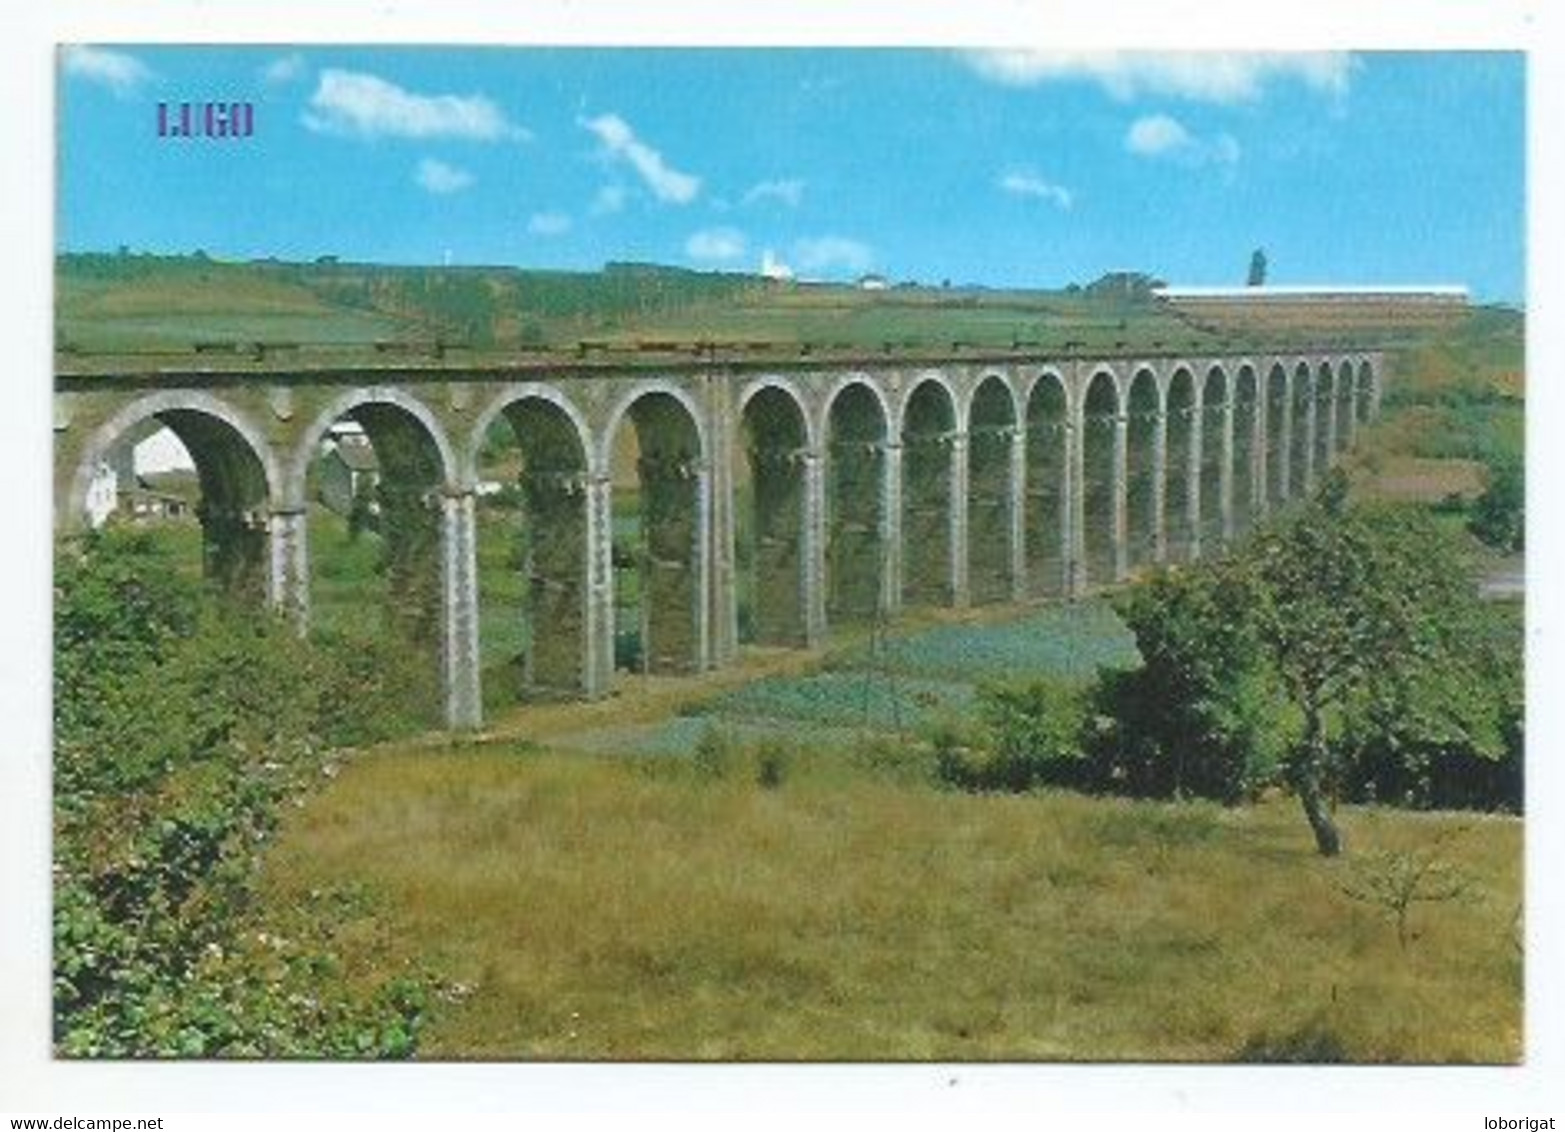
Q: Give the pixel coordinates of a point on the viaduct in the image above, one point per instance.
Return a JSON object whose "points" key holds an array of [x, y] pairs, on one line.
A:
{"points": [[825, 491]]}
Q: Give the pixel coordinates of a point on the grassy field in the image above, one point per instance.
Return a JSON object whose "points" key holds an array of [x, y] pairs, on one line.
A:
{"points": [[1453, 406], [121, 303], [584, 908]]}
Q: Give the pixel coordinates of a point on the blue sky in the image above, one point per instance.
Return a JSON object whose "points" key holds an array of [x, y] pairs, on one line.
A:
{"points": [[1005, 168]]}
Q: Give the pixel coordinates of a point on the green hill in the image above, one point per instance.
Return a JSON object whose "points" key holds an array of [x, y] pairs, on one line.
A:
{"points": [[110, 304]]}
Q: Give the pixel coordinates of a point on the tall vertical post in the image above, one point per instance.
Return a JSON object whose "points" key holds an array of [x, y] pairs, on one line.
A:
{"points": [[599, 665], [1287, 439], [959, 479], [1018, 514], [459, 570], [1310, 425], [1331, 424], [1260, 448], [705, 574], [1195, 462], [1258, 486], [1121, 504], [1225, 471], [1353, 405], [1073, 516], [722, 608], [288, 586], [891, 530], [813, 552], [1159, 486]]}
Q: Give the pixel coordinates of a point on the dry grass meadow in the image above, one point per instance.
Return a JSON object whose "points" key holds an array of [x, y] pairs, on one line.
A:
{"points": [[574, 907]]}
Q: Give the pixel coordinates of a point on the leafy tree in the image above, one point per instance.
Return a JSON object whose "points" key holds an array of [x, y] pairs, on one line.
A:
{"points": [[1363, 607], [1499, 517], [1345, 648], [1199, 716]]}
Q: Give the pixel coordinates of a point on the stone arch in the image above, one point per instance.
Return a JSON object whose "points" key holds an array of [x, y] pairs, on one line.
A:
{"points": [[1143, 407], [659, 549], [1102, 491], [845, 384], [1249, 483], [367, 398], [536, 637], [988, 385], [236, 469], [637, 392], [1179, 463], [857, 431], [1046, 502], [400, 503], [1301, 464], [928, 433], [1325, 420], [991, 519], [917, 382], [1214, 416], [786, 387], [501, 402], [1279, 432], [771, 543]]}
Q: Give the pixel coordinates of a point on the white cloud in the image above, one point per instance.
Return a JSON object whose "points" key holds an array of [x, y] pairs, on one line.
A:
{"points": [[1160, 136], [828, 253], [120, 72], [289, 68], [1030, 185], [788, 191], [548, 224], [718, 245], [442, 179], [620, 141], [1157, 134], [1202, 76], [609, 200], [347, 102]]}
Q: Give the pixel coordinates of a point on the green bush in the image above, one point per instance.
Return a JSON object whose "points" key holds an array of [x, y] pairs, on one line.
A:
{"points": [[772, 762], [182, 725], [714, 754], [1499, 514], [1028, 735], [1201, 716]]}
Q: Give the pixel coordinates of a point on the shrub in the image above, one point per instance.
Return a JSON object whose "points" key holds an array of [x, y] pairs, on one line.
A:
{"points": [[1499, 515], [1313, 1043], [1200, 717], [713, 757], [772, 761], [182, 725], [1029, 735]]}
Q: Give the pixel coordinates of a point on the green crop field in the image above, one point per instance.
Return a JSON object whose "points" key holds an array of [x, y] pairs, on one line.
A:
{"points": [[911, 680]]}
